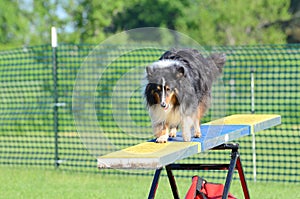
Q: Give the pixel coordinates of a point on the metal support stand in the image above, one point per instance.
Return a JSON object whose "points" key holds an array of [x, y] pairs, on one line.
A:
{"points": [[154, 183], [235, 164]]}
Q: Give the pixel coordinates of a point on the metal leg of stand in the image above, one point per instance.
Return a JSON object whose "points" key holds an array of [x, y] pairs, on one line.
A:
{"points": [[231, 169], [172, 182], [154, 184], [235, 163], [242, 178]]}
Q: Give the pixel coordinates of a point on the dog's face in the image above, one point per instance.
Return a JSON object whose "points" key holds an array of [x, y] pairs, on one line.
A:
{"points": [[164, 77], [162, 94]]}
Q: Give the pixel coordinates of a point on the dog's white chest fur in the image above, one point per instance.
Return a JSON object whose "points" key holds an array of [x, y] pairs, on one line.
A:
{"points": [[171, 116]]}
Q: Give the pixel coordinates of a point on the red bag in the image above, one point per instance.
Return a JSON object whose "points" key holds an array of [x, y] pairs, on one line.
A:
{"points": [[200, 189]]}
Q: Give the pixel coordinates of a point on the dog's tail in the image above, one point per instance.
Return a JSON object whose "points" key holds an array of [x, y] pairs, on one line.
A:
{"points": [[217, 62], [212, 65], [219, 59]]}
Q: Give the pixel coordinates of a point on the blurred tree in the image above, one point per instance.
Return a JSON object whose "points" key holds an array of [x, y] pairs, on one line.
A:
{"points": [[88, 18], [234, 22], [43, 15], [25, 22], [292, 26], [146, 13], [13, 24], [230, 22]]}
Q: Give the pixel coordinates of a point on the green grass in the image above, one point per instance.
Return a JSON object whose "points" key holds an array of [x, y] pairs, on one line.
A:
{"points": [[26, 130], [29, 182]]}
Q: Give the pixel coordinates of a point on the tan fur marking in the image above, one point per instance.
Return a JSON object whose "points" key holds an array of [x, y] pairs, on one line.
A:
{"points": [[197, 121], [171, 98], [156, 97], [167, 88]]}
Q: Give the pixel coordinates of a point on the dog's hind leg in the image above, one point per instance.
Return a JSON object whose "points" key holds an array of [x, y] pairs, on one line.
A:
{"points": [[161, 133], [187, 123], [197, 131], [197, 120]]}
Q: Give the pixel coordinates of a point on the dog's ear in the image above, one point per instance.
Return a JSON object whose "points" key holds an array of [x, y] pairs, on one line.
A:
{"points": [[149, 70], [149, 94], [180, 71], [170, 54]]}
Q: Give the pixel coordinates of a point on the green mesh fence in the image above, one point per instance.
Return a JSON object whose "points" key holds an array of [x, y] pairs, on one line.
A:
{"points": [[37, 126]]}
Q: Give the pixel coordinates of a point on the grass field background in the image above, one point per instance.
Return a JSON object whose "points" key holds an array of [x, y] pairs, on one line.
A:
{"points": [[27, 123], [36, 183]]}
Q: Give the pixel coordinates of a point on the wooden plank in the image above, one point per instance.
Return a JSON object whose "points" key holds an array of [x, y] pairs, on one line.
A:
{"points": [[149, 155], [227, 134], [214, 135], [155, 155], [258, 122]]}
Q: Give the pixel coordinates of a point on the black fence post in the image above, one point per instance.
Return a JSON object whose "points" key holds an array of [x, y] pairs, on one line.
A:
{"points": [[55, 93]]}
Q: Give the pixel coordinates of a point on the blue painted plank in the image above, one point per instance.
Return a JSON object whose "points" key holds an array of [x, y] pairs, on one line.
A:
{"points": [[214, 135]]}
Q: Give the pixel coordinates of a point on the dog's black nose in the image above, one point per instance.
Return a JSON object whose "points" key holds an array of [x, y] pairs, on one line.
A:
{"points": [[163, 104]]}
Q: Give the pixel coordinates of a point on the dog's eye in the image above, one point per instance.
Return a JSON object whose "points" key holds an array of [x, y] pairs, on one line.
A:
{"points": [[168, 89]]}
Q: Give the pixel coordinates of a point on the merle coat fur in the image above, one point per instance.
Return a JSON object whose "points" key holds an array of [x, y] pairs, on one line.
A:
{"points": [[186, 77]]}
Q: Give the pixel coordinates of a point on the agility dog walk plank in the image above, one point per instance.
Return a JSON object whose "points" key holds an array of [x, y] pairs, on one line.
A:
{"points": [[156, 155], [214, 135], [258, 122], [151, 155]]}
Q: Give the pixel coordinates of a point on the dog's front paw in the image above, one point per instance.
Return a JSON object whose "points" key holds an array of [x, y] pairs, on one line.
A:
{"points": [[197, 134], [173, 132], [162, 139], [186, 138]]}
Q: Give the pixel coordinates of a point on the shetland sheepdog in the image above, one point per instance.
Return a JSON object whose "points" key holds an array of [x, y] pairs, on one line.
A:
{"points": [[178, 91]]}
